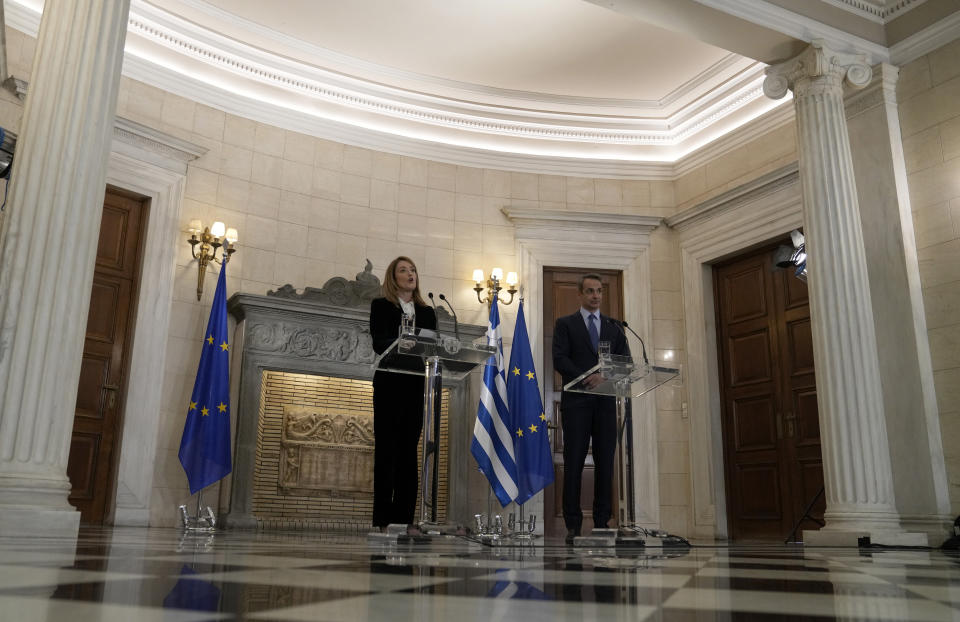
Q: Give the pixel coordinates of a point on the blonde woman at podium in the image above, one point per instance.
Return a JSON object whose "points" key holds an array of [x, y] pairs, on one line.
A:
{"points": [[397, 399]]}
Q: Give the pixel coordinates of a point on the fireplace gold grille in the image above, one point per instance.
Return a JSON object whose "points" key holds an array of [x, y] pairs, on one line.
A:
{"points": [[314, 455]]}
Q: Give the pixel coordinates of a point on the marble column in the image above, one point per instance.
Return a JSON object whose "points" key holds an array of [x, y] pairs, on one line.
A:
{"points": [[856, 460], [47, 249]]}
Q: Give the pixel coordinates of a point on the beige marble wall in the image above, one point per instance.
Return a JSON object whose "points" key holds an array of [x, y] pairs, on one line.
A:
{"points": [[737, 166], [929, 99]]}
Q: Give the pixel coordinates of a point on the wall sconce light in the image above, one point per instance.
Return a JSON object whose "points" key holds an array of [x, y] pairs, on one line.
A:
{"points": [[210, 239], [493, 286]]}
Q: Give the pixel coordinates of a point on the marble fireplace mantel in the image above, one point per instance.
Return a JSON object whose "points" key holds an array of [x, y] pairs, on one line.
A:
{"points": [[324, 332]]}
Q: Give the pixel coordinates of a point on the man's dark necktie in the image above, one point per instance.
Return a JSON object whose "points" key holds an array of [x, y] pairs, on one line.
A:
{"points": [[594, 332]]}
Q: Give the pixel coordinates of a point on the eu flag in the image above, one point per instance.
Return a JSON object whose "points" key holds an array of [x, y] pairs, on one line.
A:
{"points": [[205, 446], [528, 420]]}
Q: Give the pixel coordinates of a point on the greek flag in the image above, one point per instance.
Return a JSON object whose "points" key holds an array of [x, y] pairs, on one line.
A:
{"points": [[492, 445]]}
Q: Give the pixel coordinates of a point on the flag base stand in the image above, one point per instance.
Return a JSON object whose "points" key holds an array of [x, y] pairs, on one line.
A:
{"points": [[630, 538], [397, 533], [203, 521]]}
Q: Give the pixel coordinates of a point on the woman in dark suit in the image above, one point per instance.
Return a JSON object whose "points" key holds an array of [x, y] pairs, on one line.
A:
{"points": [[397, 399]]}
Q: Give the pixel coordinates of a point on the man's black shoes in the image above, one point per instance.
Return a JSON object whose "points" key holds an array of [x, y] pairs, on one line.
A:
{"points": [[571, 534]]}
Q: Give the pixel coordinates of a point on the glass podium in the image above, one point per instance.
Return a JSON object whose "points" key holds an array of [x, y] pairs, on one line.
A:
{"points": [[623, 379], [427, 353]]}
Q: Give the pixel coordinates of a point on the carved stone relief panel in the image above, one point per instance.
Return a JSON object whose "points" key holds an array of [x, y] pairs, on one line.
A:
{"points": [[323, 449]]}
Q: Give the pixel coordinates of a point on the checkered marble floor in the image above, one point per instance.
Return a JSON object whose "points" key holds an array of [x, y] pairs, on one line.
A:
{"points": [[142, 575]]}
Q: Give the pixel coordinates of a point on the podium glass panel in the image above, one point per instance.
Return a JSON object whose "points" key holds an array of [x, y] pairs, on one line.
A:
{"points": [[408, 353], [423, 352], [623, 379]]}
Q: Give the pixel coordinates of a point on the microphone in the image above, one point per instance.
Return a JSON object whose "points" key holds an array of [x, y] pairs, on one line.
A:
{"points": [[456, 324], [434, 303], [643, 347]]}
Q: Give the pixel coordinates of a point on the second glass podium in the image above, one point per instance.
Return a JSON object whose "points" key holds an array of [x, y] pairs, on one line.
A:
{"points": [[623, 379]]}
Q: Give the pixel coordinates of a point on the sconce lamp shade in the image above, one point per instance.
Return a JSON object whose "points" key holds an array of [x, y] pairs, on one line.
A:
{"points": [[494, 286], [231, 235], [218, 229], [195, 226]]}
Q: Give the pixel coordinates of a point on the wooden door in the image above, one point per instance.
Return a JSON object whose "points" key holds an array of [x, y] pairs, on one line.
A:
{"points": [[770, 424], [560, 298], [94, 444]]}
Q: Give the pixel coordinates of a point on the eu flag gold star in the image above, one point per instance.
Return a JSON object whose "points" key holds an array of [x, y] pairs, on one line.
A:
{"points": [[530, 375], [210, 339], [224, 346], [533, 428], [204, 411], [193, 406], [519, 431], [516, 371], [543, 417], [222, 407]]}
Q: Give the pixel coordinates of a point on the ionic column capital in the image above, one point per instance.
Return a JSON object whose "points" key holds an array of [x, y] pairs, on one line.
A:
{"points": [[817, 69]]}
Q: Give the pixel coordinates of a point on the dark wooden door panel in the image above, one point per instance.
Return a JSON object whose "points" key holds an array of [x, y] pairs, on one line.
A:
{"points": [[754, 424], [102, 320], [748, 357], [745, 294], [561, 298], [91, 465], [760, 498], [82, 465], [770, 422]]}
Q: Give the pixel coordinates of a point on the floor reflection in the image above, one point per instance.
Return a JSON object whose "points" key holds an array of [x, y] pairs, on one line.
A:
{"points": [[148, 574]]}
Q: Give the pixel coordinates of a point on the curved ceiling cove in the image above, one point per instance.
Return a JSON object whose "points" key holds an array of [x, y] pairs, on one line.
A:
{"points": [[537, 85]]}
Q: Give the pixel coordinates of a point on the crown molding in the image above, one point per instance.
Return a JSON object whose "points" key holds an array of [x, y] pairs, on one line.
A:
{"points": [[878, 11], [618, 232], [927, 40], [783, 114], [154, 146], [765, 14], [237, 62], [201, 65], [372, 72], [582, 220]]}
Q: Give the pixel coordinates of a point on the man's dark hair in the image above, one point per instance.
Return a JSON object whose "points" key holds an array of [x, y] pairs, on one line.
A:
{"points": [[595, 277]]}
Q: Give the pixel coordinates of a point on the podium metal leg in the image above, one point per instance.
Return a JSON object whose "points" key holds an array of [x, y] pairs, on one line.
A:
{"points": [[628, 515], [429, 479], [627, 534]]}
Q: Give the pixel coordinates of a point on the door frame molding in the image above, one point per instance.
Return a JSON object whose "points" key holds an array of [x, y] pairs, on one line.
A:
{"points": [[152, 164], [749, 215], [597, 240]]}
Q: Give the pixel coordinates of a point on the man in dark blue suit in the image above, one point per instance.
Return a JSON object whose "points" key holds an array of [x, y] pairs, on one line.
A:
{"points": [[584, 416]]}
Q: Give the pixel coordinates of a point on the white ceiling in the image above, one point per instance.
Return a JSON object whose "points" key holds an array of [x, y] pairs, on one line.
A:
{"points": [[586, 87], [557, 47]]}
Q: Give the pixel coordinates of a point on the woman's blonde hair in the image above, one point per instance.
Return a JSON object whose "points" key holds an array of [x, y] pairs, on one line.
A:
{"points": [[390, 287]]}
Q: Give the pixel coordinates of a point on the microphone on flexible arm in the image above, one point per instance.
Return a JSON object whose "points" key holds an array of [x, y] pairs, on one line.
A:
{"points": [[643, 347], [456, 324]]}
